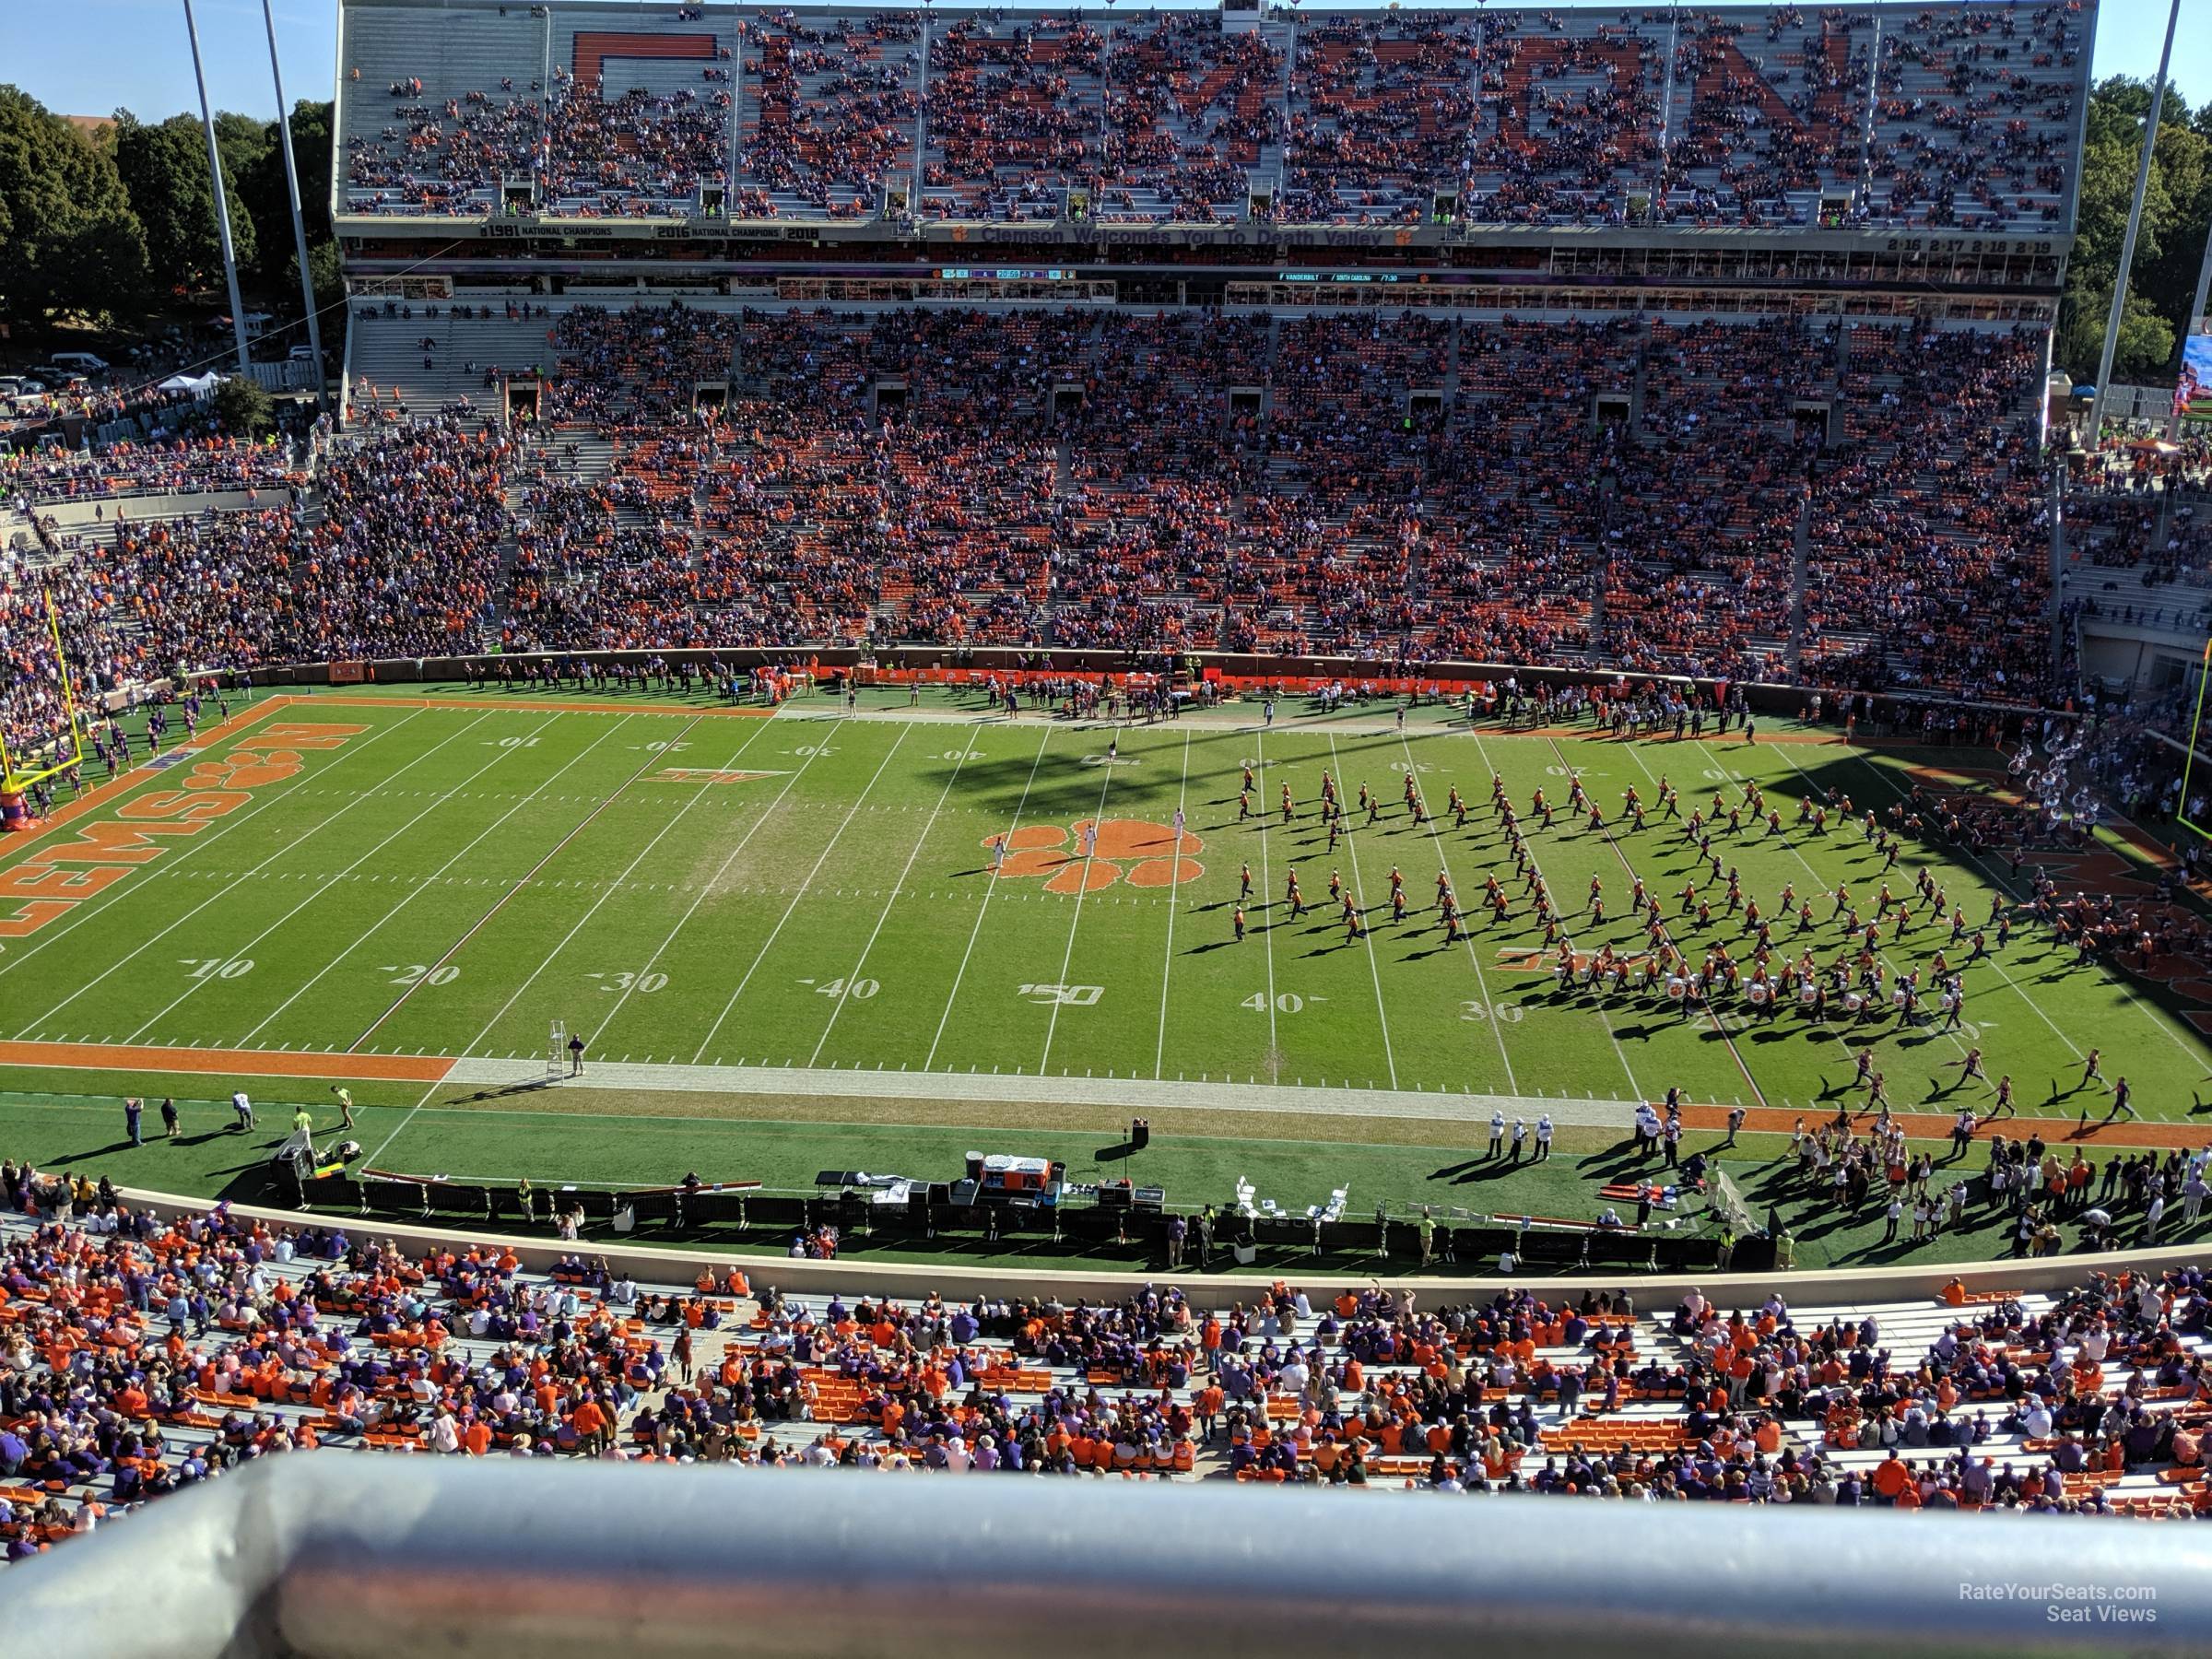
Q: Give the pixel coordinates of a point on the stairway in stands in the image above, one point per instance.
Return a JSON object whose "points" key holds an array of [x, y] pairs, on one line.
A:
{"points": [[1608, 512], [18, 535], [1800, 558]]}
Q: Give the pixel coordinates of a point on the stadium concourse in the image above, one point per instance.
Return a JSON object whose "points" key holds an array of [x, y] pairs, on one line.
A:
{"points": [[147, 1355]]}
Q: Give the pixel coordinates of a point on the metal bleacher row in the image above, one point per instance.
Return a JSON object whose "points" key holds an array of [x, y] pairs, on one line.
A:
{"points": [[1909, 1329], [1953, 115], [2139, 556]]}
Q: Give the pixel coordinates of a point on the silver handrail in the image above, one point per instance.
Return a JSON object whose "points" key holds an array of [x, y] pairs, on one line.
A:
{"points": [[322, 1555]]}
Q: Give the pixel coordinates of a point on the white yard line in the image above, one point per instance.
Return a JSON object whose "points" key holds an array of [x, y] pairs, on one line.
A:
{"points": [[1367, 933], [2034, 1006], [1482, 982], [1822, 1027], [1622, 1056], [238, 880], [322, 883], [776, 932], [171, 864], [982, 910], [1259, 753], [1789, 841], [1605, 1019], [2004, 885], [574, 928], [1098, 818], [742, 842], [1160, 1049], [1713, 1010], [371, 932], [874, 934]]}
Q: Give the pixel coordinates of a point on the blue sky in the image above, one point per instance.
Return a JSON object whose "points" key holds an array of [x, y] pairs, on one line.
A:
{"points": [[86, 57]]}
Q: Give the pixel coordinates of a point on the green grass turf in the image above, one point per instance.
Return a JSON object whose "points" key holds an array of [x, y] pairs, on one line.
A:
{"points": [[212, 1156], [452, 878]]}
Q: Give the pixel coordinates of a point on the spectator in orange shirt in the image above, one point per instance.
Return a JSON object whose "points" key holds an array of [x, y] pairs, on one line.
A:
{"points": [[1890, 1479]]}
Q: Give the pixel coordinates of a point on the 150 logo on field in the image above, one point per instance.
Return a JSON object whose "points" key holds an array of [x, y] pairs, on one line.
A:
{"points": [[1066, 996]]}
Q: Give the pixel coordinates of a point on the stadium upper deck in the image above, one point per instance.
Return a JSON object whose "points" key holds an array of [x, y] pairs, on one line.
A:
{"points": [[1961, 117]]}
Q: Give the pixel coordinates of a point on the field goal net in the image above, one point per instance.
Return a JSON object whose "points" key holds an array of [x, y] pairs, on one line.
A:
{"points": [[2193, 788], [41, 729]]}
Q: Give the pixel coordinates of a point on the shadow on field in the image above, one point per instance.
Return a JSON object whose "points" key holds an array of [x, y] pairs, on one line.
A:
{"points": [[528, 1085], [1486, 1169]]}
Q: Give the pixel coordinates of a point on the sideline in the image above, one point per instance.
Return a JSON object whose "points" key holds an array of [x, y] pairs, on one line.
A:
{"points": [[1133, 1092], [220, 1062]]}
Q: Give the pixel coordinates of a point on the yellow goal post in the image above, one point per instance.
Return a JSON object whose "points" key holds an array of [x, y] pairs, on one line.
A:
{"points": [[19, 773]]}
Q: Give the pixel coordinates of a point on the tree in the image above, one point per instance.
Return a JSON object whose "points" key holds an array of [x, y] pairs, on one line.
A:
{"points": [[245, 410], [68, 239], [2147, 340], [2168, 279], [2177, 206], [261, 187], [328, 273], [164, 167]]}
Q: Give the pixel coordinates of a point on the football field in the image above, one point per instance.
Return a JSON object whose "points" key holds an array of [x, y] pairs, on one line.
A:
{"points": [[734, 909]]}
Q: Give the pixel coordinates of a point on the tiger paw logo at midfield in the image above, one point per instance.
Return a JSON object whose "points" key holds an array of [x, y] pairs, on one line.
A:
{"points": [[1133, 850]]}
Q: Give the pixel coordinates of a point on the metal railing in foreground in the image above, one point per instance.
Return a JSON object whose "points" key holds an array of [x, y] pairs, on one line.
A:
{"points": [[327, 1557]]}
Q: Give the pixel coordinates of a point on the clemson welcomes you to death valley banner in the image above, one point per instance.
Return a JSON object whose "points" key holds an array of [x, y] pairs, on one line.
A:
{"points": [[2193, 396]]}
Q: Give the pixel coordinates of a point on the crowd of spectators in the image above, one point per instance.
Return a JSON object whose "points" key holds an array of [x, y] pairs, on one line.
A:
{"points": [[651, 143], [44, 478], [1014, 115], [1701, 577], [1680, 497], [636, 370], [2102, 1383], [144, 1355], [1191, 111], [411, 156], [636, 153], [1521, 116], [1392, 485], [1381, 111], [396, 552], [1933, 515], [2143, 503], [830, 115], [34, 702], [1974, 117]]}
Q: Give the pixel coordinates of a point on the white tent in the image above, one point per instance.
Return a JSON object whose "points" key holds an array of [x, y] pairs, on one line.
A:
{"points": [[198, 387]]}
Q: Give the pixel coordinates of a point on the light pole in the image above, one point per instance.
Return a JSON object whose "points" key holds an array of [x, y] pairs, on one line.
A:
{"points": [[291, 187], [222, 201], [2135, 223]]}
